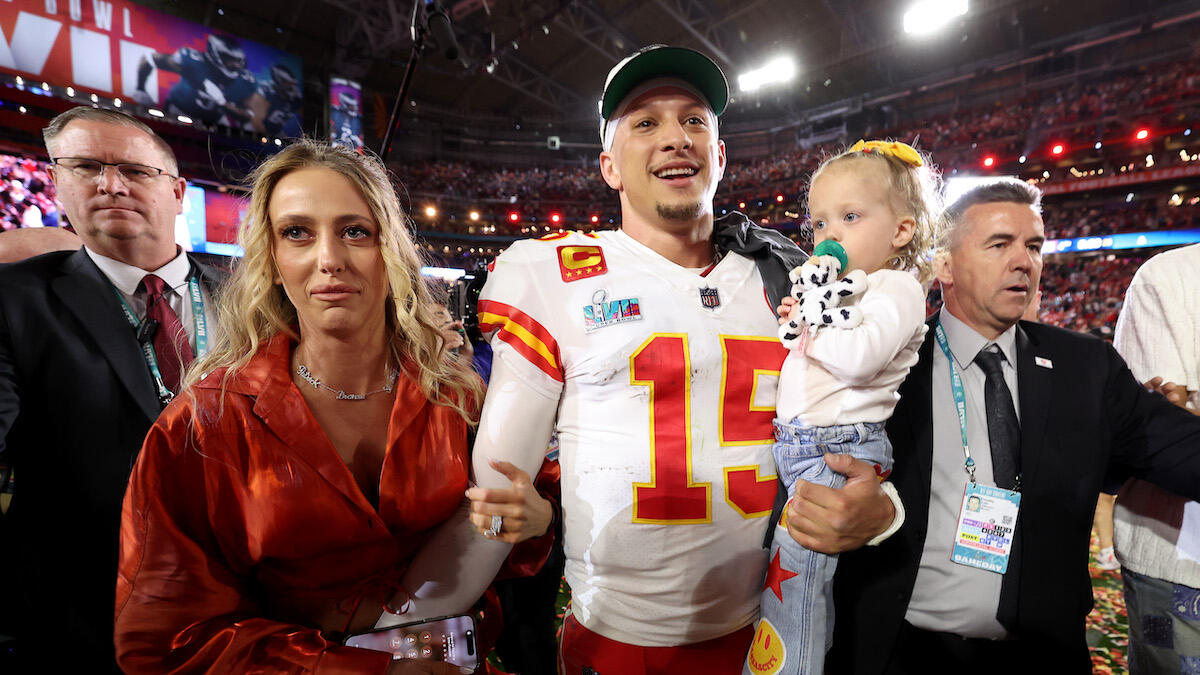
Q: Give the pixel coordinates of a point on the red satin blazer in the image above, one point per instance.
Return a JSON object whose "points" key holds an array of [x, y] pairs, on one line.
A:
{"points": [[243, 533]]}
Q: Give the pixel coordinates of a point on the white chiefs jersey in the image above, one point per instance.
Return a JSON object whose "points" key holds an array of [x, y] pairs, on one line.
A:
{"points": [[665, 382]]}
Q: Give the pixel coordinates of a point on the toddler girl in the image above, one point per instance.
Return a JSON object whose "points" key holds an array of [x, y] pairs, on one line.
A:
{"points": [[851, 342]]}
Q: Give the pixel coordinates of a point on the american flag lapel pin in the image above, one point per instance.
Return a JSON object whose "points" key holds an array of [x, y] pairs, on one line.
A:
{"points": [[1043, 362]]}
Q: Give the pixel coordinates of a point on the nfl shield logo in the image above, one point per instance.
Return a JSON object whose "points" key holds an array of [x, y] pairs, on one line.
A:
{"points": [[710, 298]]}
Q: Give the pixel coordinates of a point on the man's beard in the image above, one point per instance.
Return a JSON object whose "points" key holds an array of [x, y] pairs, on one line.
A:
{"points": [[679, 212]]}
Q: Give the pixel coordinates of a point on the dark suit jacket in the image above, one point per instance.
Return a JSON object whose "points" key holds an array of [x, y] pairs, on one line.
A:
{"points": [[76, 401], [1081, 418]]}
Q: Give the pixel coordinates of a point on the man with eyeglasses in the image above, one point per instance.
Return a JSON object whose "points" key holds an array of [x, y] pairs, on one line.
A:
{"points": [[92, 344]]}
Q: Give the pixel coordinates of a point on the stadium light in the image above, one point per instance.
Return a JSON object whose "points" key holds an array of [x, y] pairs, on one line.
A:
{"points": [[595, 219], [989, 161], [957, 186], [1098, 145], [741, 205], [1142, 134], [430, 211], [779, 198], [778, 70], [474, 215], [1057, 149], [555, 218], [513, 216], [1021, 159], [928, 16]]}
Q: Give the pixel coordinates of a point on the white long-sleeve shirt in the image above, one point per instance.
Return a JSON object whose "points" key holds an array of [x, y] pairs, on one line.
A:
{"points": [[1158, 335], [850, 375]]}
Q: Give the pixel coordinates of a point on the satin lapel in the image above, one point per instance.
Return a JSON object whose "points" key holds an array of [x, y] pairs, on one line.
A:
{"points": [[1035, 386], [87, 293], [283, 410]]}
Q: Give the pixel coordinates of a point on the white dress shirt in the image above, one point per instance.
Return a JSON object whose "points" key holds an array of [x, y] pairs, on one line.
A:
{"points": [[126, 278]]}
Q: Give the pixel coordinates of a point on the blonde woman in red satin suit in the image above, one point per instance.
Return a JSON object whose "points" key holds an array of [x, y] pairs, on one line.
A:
{"points": [[277, 502]]}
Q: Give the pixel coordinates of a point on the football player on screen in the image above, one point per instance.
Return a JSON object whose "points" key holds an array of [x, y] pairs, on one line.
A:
{"points": [[345, 127], [275, 104], [213, 86]]}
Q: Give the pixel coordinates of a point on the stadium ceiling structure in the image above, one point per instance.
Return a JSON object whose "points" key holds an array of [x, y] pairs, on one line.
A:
{"points": [[547, 59]]}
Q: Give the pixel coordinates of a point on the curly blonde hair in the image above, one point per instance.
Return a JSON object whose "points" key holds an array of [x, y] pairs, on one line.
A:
{"points": [[916, 192], [252, 307]]}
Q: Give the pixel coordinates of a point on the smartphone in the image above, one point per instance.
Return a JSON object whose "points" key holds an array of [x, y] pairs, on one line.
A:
{"points": [[449, 638]]}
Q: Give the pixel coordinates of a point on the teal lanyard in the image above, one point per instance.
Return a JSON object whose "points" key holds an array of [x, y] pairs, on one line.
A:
{"points": [[960, 398], [199, 325], [960, 404]]}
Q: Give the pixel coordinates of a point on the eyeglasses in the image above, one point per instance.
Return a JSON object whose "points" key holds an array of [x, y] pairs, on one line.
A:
{"points": [[91, 169]]}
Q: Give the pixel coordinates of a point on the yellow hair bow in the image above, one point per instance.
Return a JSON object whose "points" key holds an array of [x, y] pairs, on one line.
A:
{"points": [[901, 151]]}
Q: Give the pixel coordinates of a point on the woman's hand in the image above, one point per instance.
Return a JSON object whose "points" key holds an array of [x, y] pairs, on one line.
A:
{"points": [[524, 512]]}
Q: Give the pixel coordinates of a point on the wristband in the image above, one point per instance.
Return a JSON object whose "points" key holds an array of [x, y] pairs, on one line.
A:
{"points": [[890, 491]]}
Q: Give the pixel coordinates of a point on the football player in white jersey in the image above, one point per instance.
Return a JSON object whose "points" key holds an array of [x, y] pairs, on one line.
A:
{"points": [[651, 352]]}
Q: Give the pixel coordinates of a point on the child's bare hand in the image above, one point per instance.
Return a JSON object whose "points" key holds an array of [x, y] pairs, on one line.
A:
{"points": [[784, 310]]}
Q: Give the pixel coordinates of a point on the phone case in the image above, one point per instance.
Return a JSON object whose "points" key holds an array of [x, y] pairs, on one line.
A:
{"points": [[450, 639]]}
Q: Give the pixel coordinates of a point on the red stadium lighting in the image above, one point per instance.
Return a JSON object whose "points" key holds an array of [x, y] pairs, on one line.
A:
{"points": [[1057, 149], [595, 219], [989, 161], [513, 216], [779, 198], [1142, 134], [555, 218]]}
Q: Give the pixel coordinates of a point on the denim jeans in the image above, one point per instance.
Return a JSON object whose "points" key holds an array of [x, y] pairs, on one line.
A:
{"points": [[796, 601], [1164, 625]]}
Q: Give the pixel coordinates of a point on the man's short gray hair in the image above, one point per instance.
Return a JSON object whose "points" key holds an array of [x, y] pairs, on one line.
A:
{"points": [[105, 116], [1001, 190]]}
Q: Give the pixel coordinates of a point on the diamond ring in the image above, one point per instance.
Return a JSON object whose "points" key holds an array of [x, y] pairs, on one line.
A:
{"points": [[497, 525]]}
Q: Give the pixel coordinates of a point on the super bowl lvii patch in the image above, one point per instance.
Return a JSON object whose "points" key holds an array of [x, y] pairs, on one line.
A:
{"points": [[603, 312]]}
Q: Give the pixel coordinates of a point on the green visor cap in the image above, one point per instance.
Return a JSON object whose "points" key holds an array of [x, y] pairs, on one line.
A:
{"points": [[662, 61]]}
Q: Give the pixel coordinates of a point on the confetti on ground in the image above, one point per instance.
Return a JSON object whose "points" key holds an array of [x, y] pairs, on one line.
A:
{"points": [[1107, 624]]}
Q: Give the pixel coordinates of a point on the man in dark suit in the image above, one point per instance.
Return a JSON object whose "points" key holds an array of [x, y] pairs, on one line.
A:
{"points": [[79, 389], [1047, 414]]}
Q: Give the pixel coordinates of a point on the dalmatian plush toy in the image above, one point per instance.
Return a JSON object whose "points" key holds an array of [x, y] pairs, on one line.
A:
{"points": [[819, 294]]}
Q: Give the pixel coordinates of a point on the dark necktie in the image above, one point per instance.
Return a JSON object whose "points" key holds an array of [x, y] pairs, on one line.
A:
{"points": [[171, 346], [1004, 431]]}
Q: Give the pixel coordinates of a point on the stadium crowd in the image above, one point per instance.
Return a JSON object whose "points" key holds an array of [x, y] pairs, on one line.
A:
{"points": [[26, 194], [1162, 99]]}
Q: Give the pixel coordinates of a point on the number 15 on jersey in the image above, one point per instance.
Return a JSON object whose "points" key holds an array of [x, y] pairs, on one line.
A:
{"points": [[663, 364]]}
